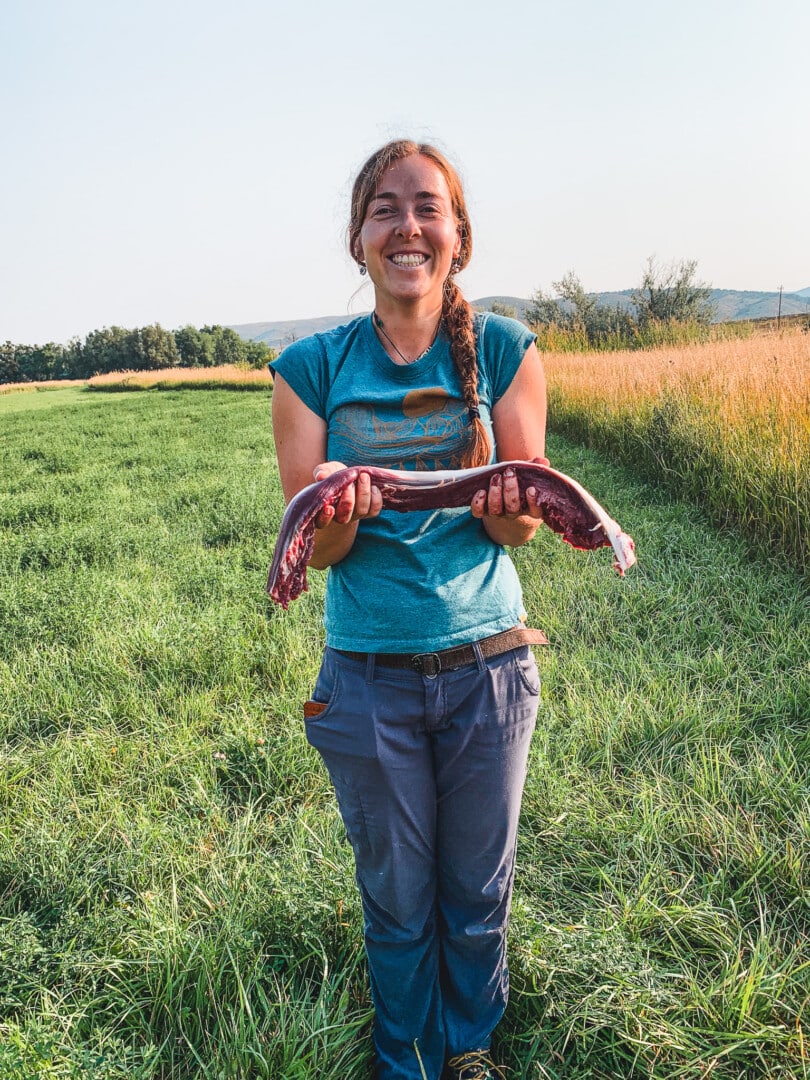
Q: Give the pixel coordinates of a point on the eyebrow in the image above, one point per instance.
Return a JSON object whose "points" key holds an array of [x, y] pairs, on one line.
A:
{"points": [[393, 195]]}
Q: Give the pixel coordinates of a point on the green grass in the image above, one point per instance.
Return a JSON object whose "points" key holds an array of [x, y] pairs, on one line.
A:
{"points": [[25, 400], [176, 896]]}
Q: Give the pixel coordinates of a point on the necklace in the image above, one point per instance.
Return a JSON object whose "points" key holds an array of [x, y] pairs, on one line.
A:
{"points": [[379, 324]]}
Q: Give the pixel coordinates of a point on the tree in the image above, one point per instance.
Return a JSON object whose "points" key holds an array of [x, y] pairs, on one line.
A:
{"points": [[196, 348], [27, 363], [43, 362], [546, 311], [110, 349], [228, 346], [157, 348], [670, 293], [72, 362], [507, 310], [258, 354], [573, 310], [571, 307], [9, 368]]}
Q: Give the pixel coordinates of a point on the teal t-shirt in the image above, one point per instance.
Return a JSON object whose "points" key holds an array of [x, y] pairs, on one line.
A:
{"points": [[423, 580]]}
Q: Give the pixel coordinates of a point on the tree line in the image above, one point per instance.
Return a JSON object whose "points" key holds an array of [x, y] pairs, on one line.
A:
{"points": [[113, 348], [667, 298]]}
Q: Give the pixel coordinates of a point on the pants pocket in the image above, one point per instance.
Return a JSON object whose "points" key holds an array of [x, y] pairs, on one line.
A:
{"points": [[526, 667], [339, 720]]}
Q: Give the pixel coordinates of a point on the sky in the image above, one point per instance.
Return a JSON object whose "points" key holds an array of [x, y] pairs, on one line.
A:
{"points": [[190, 161]]}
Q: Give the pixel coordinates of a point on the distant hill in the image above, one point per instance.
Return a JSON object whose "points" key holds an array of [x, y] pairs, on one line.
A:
{"points": [[731, 305], [734, 306], [279, 334]]}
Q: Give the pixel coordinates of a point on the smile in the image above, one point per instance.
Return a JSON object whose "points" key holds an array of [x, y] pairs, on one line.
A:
{"points": [[408, 260]]}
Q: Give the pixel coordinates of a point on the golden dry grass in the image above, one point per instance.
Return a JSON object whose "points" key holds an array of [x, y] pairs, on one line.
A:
{"points": [[52, 384], [742, 372], [228, 376], [725, 422]]}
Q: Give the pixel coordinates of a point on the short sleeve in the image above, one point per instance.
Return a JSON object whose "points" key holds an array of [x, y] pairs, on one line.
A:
{"points": [[303, 366], [502, 344]]}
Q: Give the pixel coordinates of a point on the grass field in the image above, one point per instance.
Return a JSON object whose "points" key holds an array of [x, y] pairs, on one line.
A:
{"points": [[176, 897], [725, 424]]}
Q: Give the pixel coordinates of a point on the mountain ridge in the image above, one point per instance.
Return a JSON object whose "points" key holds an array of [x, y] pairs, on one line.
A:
{"points": [[731, 305]]}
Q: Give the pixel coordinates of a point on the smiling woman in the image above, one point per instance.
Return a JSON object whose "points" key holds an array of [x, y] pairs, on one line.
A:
{"points": [[422, 750], [410, 237]]}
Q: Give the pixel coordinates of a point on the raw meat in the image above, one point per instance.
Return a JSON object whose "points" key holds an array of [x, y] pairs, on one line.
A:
{"points": [[566, 506]]}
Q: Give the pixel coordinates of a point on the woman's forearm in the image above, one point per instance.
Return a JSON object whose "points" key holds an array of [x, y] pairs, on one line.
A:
{"points": [[511, 532], [333, 544]]}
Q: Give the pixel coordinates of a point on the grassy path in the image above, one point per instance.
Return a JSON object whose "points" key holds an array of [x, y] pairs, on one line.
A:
{"points": [[176, 899]]}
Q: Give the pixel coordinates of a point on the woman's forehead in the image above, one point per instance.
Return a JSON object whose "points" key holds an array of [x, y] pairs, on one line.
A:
{"points": [[415, 172]]}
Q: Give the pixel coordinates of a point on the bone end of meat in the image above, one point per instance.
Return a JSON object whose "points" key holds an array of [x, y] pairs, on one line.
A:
{"points": [[624, 549]]}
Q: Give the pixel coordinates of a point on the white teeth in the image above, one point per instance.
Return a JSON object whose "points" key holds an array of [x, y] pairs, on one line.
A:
{"points": [[408, 260]]}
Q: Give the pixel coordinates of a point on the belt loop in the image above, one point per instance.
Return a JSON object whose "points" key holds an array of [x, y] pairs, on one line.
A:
{"points": [[480, 663], [370, 667]]}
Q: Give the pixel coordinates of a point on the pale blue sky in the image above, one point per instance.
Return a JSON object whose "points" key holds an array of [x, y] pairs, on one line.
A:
{"points": [[190, 162]]}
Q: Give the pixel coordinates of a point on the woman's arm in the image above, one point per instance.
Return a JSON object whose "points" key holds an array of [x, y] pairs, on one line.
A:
{"points": [[519, 425], [300, 437]]}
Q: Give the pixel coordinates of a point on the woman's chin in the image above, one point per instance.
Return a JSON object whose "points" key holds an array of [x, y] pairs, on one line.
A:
{"points": [[410, 292]]}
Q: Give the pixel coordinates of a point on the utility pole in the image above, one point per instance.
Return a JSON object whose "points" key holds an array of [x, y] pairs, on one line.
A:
{"points": [[779, 316]]}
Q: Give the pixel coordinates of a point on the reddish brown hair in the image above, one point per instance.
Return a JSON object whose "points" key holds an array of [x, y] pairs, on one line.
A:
{"points": [[457, 315]]}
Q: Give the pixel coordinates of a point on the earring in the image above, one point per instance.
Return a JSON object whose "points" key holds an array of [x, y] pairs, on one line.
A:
{"points": [[363, 268], [455, 266]]}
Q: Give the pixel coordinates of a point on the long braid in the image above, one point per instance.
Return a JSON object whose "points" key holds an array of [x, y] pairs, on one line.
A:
{"points": [[458, 320]]}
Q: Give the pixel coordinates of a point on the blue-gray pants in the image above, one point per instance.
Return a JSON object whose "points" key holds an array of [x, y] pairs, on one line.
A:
{"points": [[429, 776]]}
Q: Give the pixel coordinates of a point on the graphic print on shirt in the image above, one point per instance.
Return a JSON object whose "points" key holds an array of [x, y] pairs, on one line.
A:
{"points": [[427, 429]]}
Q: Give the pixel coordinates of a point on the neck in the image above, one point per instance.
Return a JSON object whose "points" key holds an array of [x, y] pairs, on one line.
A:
{"points": [[406, 340]]}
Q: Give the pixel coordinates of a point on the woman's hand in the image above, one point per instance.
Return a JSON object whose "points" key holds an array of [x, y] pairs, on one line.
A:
{"points": [[499, 509], [502, 499], [360, 500]]}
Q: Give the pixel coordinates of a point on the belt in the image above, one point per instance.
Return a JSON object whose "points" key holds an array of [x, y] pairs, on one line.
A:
{"points": [[432, 664]]}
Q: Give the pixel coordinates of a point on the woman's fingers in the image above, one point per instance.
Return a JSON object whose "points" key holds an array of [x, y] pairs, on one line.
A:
{"points": [[325, 517], [532, 503], [376, 501], [326, 468], [478, 506], [344, 507], [367, 498], [503, 498], [362, 497], [511, 493], [359, 500]]}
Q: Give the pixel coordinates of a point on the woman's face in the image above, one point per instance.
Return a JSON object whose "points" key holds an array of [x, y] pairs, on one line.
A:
{"points": [[410, 234]]}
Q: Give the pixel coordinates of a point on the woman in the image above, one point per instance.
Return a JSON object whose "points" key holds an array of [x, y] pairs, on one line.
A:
{"points": [[427, 696]]}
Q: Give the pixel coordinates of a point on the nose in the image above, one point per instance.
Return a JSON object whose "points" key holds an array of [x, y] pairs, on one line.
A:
{"points": [[408, 224]]}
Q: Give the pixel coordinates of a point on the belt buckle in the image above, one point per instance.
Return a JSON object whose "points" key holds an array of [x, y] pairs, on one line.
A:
{"points": [[428, 664]]}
